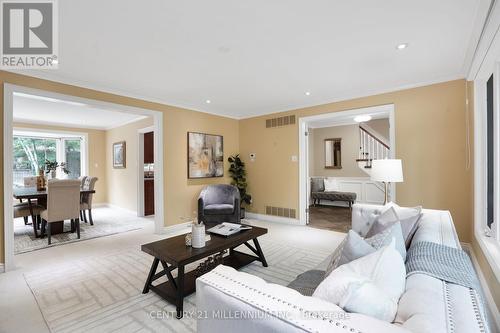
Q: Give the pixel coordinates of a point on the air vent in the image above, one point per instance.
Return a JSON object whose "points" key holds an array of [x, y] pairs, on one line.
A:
{"points": [[279, 211], [280, 121]]}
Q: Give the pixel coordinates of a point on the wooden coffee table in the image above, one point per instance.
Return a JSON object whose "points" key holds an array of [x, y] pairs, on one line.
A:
{"points": [[173, 254]]}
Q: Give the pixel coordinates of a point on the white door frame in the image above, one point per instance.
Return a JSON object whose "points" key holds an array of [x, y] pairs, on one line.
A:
{"points": [[140, 171], [9, 90], [387, 109]]}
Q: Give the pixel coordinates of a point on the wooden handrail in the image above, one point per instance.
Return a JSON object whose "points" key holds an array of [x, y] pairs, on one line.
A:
{"points": [[374, 137]]}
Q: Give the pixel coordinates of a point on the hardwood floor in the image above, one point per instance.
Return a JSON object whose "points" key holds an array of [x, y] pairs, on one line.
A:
{"points": [[330, 218]]}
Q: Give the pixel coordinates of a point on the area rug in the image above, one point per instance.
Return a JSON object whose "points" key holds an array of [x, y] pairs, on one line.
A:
{"points": [[107, 221], [104, 294]]}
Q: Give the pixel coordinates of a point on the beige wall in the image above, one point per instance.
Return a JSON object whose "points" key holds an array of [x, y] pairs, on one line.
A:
{"points": [[349, 148], [97, 154], [433, 159], [180, 193], [122, 183], [381, 126]]}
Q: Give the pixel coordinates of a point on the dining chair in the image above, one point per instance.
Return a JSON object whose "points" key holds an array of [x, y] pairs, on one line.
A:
{"points": [[23, 210], [63, 203], [28, 182], [82, 180], [86, 199]]}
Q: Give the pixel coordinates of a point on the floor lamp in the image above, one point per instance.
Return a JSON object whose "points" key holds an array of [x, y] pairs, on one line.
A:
{"points": [[387, 171]]}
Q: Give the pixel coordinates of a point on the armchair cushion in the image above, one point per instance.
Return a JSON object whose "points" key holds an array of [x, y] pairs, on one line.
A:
{"points": [[219, 209], [219, 203]]}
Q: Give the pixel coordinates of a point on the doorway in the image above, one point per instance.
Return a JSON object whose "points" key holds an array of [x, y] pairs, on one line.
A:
{"points": [[334, 151], [9, 92]]}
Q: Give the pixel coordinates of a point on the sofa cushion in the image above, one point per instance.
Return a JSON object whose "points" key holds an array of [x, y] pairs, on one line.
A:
{"points": [[371, 285], [335, 196], [214, 209]]}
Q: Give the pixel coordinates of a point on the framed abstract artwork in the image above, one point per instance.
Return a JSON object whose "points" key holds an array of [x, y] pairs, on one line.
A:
{"points": [[119, 155], [205, 155]]}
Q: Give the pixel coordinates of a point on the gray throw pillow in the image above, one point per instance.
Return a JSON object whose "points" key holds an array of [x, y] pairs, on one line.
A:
{"points": [[354, 246], [384, 238], [408, 217], [382, 222]]}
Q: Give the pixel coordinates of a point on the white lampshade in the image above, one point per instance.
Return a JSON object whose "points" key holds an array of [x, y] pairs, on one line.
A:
{"points": [[389, 171]]}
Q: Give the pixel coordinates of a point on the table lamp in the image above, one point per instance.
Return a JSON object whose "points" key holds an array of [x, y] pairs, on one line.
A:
{"points": [[387, 171]]}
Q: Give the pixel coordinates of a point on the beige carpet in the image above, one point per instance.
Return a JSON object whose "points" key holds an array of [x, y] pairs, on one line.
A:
{"points": [[103, 294], [107, 221]]}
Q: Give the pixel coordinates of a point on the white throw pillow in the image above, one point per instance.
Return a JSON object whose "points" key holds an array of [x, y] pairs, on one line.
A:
{"points": [[371, 285], [331, 184]]}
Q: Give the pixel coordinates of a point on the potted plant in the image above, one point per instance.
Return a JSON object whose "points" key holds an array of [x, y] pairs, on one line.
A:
{"points": [[51, 168], [238, 174]]}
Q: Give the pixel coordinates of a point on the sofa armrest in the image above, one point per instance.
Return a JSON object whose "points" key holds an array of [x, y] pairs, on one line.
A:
{"points": [[232, 301]]}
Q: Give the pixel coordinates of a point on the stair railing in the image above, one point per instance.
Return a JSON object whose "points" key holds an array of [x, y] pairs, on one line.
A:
{"points": [[371, 147]]}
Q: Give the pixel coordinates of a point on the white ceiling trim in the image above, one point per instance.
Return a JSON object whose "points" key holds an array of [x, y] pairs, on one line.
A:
{"points": [[114, 91], [56, 124], [367, 93], [353, 95]]}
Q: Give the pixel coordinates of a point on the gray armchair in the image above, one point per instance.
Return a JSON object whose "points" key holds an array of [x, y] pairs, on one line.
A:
{"points": [[219, 203]]}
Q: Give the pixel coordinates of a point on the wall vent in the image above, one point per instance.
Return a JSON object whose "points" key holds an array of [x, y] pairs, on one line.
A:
{"points": [[280, 121], [279, 211]]}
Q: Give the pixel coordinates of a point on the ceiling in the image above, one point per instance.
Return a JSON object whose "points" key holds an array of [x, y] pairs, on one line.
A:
{"points": [[343, 121], [50, 111], [257, 57]]}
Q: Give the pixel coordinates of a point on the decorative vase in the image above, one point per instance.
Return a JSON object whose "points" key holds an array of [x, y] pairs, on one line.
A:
{"points": [[198, 235], [53, 174], [242, 213]]}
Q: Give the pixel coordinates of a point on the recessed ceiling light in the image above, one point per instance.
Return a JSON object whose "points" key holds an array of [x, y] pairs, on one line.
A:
{"points": [[208, 101], [402, 46], [362, 118], [308, 93]]}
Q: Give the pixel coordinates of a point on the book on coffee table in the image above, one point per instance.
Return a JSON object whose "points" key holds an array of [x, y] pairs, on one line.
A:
{"points": [[228, 229]]}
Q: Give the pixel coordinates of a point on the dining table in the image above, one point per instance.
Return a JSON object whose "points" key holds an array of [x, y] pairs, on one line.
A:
{"points": [[32, 193]]}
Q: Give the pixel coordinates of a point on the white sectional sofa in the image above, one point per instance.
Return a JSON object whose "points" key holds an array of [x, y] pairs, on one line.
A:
{"points": [[232, 301]]}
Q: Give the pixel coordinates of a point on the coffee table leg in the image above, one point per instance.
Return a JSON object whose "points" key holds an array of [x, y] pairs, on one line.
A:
{"points": [[261, 254], [152, 272], [180, 292]]}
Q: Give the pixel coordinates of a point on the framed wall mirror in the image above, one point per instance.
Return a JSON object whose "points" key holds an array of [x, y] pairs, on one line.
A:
{"points": [[333, 153]]}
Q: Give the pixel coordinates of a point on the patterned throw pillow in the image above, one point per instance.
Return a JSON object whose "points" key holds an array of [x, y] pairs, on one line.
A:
{"points": [[354, 246], [409, 218]]}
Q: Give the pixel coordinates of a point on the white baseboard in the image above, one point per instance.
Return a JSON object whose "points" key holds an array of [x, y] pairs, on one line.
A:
{"points": [[494, 314], [177, 227], [271, 218], [106, 204]]}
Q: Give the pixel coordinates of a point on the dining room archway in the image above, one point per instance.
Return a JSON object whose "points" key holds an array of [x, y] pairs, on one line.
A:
{"points": [[10, 91]]}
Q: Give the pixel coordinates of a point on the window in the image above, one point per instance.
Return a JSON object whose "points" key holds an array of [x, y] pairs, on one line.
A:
{"points": [[32, 149], [490, 174], [72, 157], [30, 155]]}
